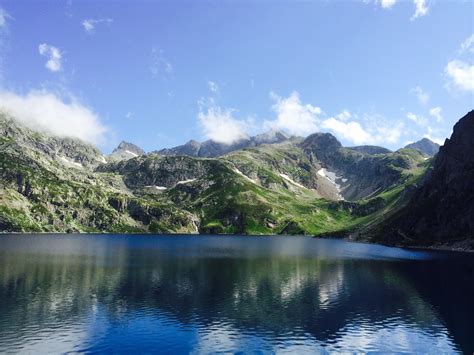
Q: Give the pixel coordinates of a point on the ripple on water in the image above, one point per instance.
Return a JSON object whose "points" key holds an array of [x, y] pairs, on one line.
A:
{"points": [[290, 295]]}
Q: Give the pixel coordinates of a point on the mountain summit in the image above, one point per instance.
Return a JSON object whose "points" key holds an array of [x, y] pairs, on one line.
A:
{"points": [[213, 149], [426, 146], [126, 151]]}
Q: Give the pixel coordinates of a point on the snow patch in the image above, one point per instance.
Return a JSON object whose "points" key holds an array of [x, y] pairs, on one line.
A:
{"points": [[102, 159], [333, 178], [131, 153], [71, 162], [245, 176], [157, 187], [287, 178], [185, 181]]}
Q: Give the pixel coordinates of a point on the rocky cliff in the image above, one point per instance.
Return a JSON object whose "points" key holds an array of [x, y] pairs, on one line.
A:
{"points": [[441, 211]]}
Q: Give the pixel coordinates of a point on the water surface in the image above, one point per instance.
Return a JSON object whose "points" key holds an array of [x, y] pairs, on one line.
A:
{"points": [[180, 294]]}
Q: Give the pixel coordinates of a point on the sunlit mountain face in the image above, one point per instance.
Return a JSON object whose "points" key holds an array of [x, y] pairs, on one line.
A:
{"points": [[97, 293]]}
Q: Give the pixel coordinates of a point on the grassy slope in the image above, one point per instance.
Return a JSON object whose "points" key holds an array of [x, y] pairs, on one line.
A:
{"points": [[39, 194]]}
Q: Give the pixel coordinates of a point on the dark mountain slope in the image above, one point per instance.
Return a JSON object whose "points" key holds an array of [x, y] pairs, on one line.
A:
{"points": [[370, 149], [441, 211]]}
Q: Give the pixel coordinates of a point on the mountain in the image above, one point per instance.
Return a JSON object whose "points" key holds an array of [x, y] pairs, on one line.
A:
{"points": [[213, 149], [66, 151], [360, 175], [425, 146], [294, 186], [370, 149], [125, 151], [441, 211]]}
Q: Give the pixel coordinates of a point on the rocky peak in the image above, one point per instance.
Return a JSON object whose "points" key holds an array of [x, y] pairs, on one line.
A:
{"points": [[272, 136], [130, 147], [425, 146], [71, 151], [126, 150], [321, 144]]}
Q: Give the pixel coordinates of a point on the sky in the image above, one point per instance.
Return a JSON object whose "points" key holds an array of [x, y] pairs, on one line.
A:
{"points": [[159, 73]]}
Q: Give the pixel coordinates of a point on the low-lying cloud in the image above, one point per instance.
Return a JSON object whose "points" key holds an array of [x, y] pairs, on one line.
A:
{"points": [[219, 125], [46, 112], [346, 126], [293, 116]]}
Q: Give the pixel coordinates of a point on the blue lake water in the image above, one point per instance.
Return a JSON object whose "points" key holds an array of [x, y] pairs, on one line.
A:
{"points": [[201, 294]]}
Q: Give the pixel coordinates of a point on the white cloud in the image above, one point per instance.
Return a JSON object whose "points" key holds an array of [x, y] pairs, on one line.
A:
{"points": [[467, 45], [421, 9], [344, 115], [4, 16], [350, 131], [53, 54], [436, 113], [423, 97], [461, 75], [293, 116], [44, 111], [213, 86], [90, 24], [387, 4], [220, 126], [376, 130], [159, 65]]}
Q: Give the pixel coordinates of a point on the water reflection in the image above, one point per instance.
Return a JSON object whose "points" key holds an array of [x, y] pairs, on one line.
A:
{"points": [[177, 294]]}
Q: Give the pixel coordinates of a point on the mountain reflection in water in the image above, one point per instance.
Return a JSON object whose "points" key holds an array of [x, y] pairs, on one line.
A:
{"points": [[182, 293]]}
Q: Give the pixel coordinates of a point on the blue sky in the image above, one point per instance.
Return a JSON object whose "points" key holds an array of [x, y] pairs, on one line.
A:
{"points": [[158, 73]]}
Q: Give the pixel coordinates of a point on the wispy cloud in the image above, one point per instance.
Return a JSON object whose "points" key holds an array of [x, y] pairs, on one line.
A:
{"points": [[54, 56], [387, 4], [421, 9], [130, 115], [91, 24], [293, 116], [213, 87], [48, 112], [436, 113], [418, 119], [422, 96], [467, 45], [220, 125], [159, 65], [4, 17]]}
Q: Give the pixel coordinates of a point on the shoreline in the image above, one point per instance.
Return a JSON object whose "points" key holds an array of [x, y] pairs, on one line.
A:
{"points": [[446, 248]]}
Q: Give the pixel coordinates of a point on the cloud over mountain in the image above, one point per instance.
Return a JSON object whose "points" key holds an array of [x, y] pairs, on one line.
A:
{"points": [[47, 112]]}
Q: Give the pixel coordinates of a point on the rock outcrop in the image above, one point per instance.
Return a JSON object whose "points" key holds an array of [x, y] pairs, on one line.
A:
{"points": [[441, 210], [125, 151], [213, 149]]}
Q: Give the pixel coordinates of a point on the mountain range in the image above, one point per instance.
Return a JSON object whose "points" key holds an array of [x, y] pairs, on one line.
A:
{"points": [[267, 184]]}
